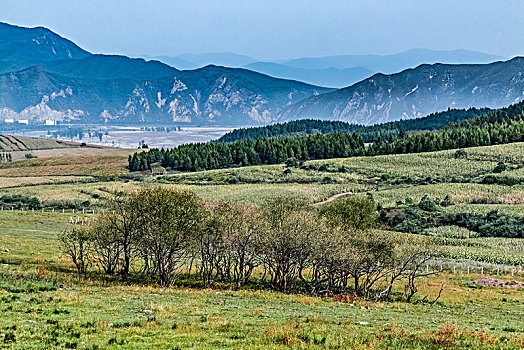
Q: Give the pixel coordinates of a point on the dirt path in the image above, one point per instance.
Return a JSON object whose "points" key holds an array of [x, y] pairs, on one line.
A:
{"points": [[332, 198]]}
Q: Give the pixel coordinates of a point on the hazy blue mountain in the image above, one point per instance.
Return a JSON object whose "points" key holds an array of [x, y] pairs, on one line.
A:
{"points": [[209, 95], [176, 62], [417, 92], [226, 59], [110, 67], [330, 77], [79, 86], [35, 44], [333, 71], [393, 63]]}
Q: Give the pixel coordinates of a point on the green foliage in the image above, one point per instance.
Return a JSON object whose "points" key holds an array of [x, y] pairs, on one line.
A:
{"points": [[433, 121], [460, 154], [501, 166], [493, 224], [66, 204], [204, 156], [496, 127], [19, 201], [352, 213], [427, 204]]}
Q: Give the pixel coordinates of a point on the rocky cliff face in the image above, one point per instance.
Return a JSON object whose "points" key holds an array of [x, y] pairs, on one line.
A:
{"points": [[417, 92]]}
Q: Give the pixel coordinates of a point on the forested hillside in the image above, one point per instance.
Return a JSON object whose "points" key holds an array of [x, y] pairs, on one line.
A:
{"points": [[495, 127], [369, 133]]}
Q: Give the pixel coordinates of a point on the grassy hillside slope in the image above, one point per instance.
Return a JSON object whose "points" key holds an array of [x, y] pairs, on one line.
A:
{"points": [[44, 304]]}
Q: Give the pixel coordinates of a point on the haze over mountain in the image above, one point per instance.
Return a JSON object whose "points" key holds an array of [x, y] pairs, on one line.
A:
{"points": [[331, 71], [69, 83], [194, 61], [45, 76], [417, 92]]}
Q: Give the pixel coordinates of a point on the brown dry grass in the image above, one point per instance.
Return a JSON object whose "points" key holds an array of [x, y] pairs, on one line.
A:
{"points": [[72, 161], [9, 182]]}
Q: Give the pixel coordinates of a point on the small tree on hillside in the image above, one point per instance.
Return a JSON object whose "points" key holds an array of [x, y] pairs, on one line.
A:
{"points": [[169, 223], [76, 242]]}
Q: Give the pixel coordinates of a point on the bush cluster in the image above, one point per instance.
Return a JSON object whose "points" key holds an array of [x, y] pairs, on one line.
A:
{"points": [[424, 217], [18, 201], [283, 245]]}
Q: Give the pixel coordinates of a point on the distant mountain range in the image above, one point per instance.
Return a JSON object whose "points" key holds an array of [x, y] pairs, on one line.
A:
{"points": [[414, 93], [44, 76], [332, 71]]}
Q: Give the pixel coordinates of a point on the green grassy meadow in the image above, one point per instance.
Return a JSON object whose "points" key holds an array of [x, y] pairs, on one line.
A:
{"points": [[44, 304]]}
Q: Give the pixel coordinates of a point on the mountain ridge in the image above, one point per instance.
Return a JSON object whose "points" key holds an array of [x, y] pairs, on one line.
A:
{"points": [[416, 92], [117, 89]]}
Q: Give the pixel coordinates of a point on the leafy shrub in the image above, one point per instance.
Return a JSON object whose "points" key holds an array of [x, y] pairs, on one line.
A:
{"points": [[447, 201], [501, 180], [501, 166], [461, 153], [66, 204], [326, 180], [18, 201], [30, 156], [427, 204], [493, 224]]}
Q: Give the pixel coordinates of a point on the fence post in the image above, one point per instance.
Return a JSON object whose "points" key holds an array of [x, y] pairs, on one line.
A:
{"points": [[468, 269], [454, 269], [498, 270], [482, 270]]}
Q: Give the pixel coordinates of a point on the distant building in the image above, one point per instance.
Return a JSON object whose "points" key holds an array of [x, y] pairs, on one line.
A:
{"points": [[23, 121], [50, 122], [9, 121]]}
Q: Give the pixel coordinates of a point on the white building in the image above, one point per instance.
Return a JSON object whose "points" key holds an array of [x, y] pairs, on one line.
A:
{"points": [[9, 121], [50, 122], [23, 121]]}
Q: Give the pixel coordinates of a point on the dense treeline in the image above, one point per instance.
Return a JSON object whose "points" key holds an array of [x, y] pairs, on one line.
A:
{"points": [[156, 234], [496, 127], [195, 157], [423, 216], [303, 127]]}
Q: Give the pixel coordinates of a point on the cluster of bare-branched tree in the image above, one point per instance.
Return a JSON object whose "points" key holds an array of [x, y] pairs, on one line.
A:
{"points": [[155, 234]]}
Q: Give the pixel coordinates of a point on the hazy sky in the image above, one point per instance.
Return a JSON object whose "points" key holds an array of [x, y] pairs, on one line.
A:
{"points": [[277, 29]]}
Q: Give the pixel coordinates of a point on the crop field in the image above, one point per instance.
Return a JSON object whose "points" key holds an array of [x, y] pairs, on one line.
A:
{"points": [[45, 304], [9, 143]]}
